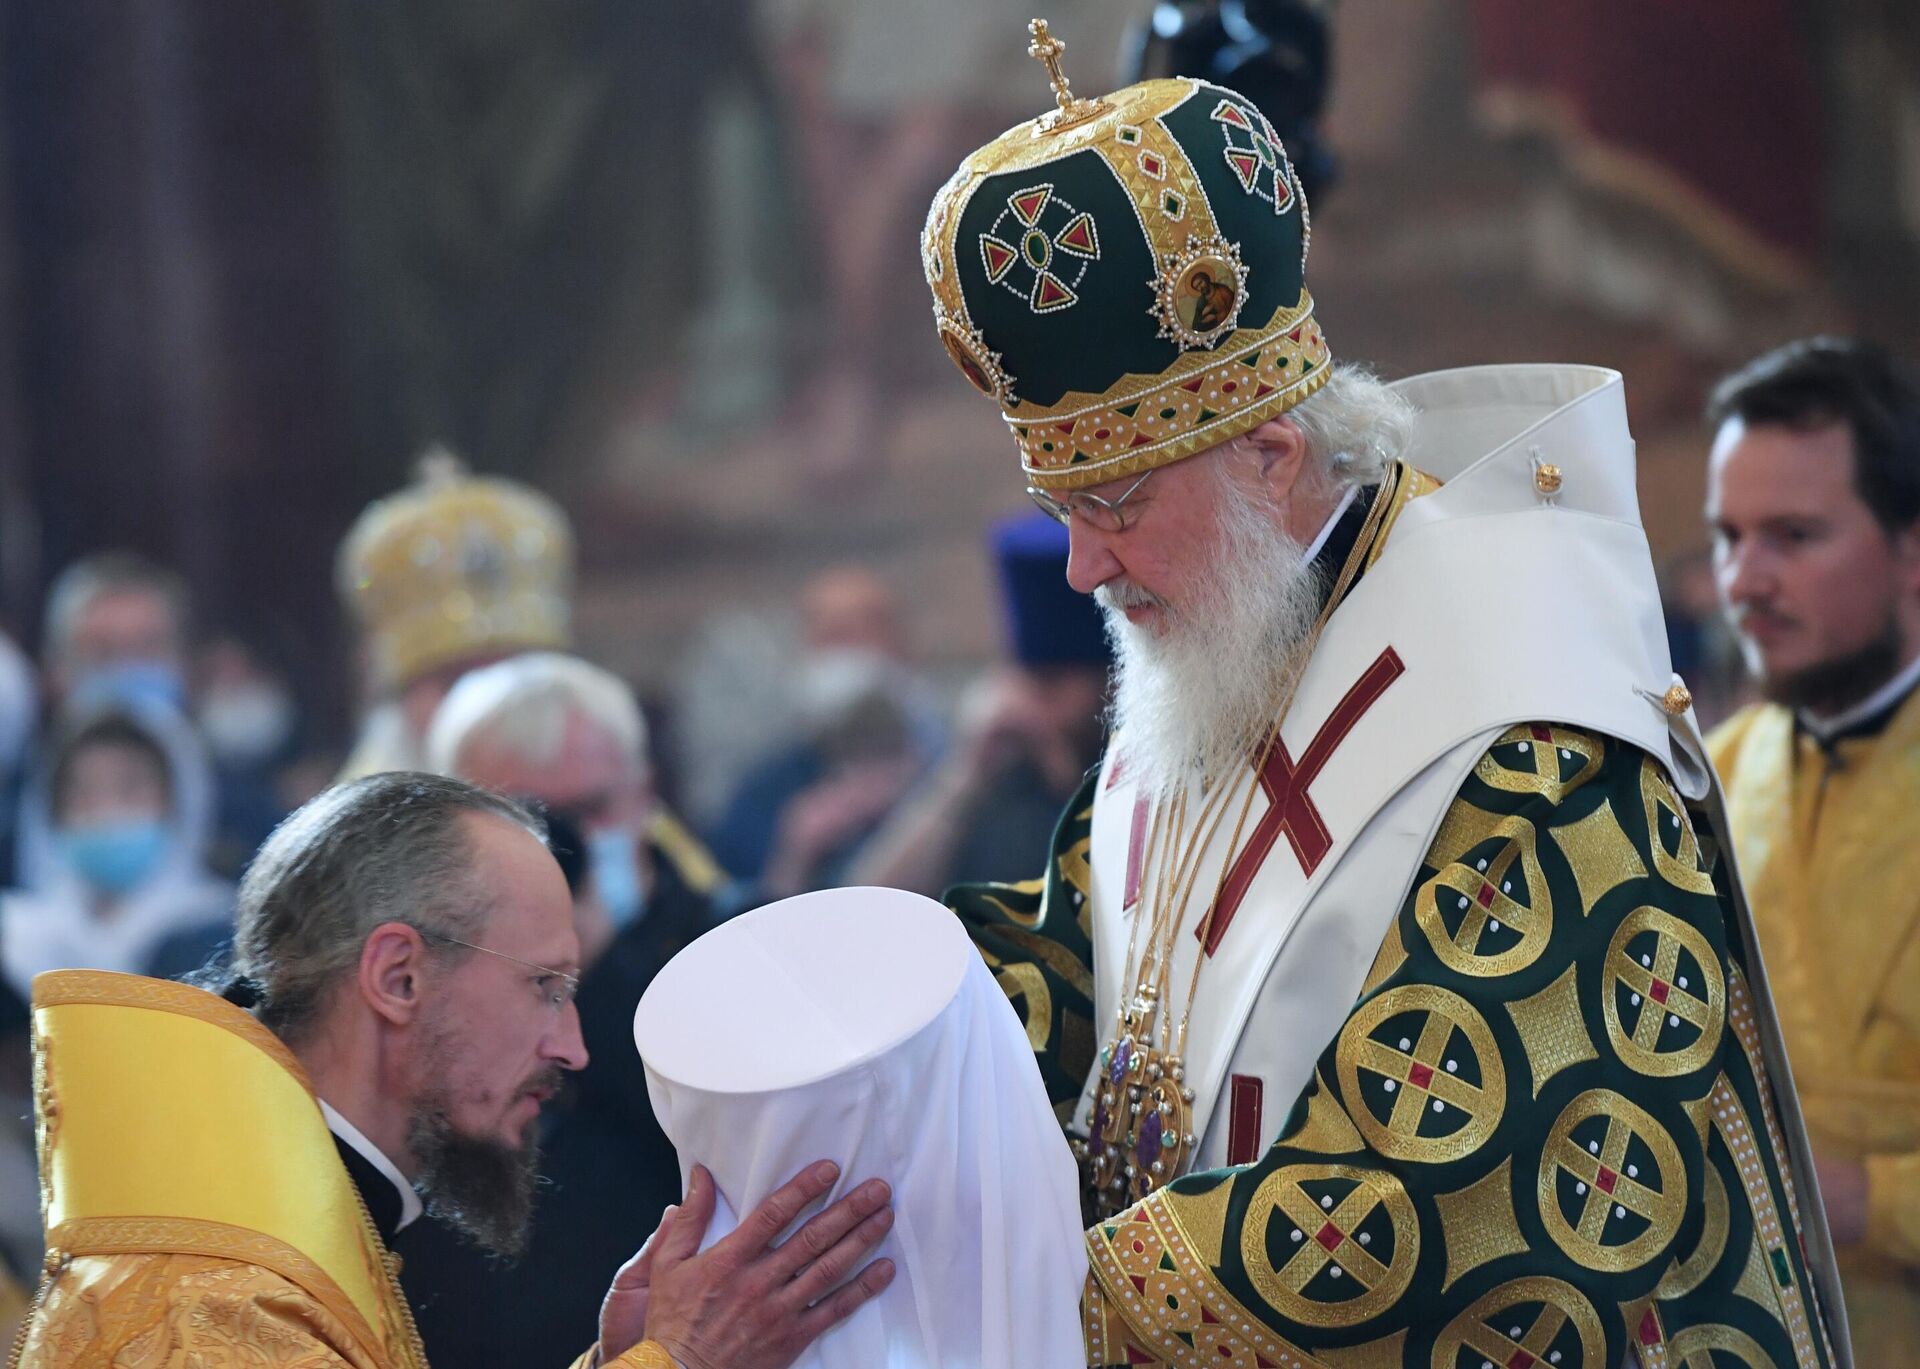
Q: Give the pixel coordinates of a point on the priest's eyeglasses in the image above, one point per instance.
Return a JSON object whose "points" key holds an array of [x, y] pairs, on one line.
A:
{"points": [[557, 986], [1104, 514]]}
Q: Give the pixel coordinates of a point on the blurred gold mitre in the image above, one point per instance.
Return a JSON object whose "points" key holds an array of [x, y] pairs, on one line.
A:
{"points": [[456, 568]]}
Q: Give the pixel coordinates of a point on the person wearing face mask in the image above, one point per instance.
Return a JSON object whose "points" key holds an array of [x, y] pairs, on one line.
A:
{"points": [[567, 738], [117, 634], [128, 892]]}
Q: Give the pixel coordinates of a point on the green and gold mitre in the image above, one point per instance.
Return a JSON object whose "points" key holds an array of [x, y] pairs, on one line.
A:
{"points": [[1127, 277]]}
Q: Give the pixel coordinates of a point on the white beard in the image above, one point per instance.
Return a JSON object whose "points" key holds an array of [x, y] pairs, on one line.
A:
{"points": [[1194, 700]]}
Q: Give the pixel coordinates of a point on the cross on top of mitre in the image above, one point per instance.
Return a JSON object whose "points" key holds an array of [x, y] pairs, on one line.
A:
{"points": [[1046, 49]]}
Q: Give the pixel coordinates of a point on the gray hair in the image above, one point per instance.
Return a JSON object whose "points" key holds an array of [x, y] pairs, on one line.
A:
{"points": [[386, 848], [1356, 425], [524, 702], [111, 572]]}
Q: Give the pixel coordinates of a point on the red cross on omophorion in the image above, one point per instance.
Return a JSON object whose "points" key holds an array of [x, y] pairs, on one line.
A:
{"points": [[1290, 809]]}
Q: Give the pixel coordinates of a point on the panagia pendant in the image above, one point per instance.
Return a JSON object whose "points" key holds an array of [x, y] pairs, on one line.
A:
{"points": [[1142, 1133]]}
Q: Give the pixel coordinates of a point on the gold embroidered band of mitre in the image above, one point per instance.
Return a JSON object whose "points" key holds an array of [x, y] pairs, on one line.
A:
{"points": [[1208, 398], [171, 1121]]}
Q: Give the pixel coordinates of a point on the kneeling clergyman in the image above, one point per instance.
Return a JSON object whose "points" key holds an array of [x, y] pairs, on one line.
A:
{"points": [[1390, 970], [222, 1175]]}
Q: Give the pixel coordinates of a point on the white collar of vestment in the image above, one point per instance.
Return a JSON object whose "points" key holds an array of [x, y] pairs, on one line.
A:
{"points": [[1882, 698], [410, 1204]]}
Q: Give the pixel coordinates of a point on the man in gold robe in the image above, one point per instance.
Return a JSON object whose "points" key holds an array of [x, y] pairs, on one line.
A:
{"points": [[222, 1173], [1813, 498]]}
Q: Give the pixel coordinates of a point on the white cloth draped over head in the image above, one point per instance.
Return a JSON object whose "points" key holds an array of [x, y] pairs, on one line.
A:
{"points": [[861, 1026]]}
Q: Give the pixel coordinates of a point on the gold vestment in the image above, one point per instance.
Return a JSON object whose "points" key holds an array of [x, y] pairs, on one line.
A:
{"points": [[197, 1211], [1829, 847]]}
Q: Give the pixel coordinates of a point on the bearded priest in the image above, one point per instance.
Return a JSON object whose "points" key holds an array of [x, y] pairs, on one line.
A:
{"points": [[1389, 972], [222, 1176]]}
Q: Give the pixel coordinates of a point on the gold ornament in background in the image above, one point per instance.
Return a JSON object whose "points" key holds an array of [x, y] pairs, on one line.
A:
{"points": [[456, 568]]}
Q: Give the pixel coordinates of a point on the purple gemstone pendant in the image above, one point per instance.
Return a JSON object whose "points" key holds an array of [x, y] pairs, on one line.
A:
{"points": [[1147, 1150]]}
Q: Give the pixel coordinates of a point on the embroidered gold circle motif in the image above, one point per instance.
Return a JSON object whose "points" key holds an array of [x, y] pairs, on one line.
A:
{"points": [[1421, 1074], [1663, 995], [1536, 1321], [1712, 1346], [1490, 915], [1612, 1189], [1200, 291], [1330, 1245], [1536, 759]]}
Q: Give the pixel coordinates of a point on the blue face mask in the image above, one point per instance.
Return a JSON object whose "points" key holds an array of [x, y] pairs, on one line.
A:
{"points": [[115, 857], [613, 855], [131, 682]]}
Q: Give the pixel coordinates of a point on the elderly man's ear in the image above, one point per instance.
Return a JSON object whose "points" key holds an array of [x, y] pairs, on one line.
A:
{"points": [[1279, 450]]}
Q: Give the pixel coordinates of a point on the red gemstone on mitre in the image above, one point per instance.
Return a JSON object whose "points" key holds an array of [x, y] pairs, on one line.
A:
{"points": [[1051, 292], [1206, 1316], [1245, 165], [1028, 204], [1078, 236], [1649, 1329], [1140, 1357], [1540, 734], [1330, 1236], [999, 257], [1420, 1076], [1231, 114], [1486, 896], [1195, 384], [1150, 164], [1606, 1179], [1658, 993], [1521, 1360]]}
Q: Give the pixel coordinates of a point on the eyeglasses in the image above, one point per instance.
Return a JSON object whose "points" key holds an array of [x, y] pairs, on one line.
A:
{"points": [[1104, 514], [566, 987]]}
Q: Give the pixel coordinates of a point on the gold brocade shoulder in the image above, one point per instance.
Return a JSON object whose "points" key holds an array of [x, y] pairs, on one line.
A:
{"points": [[127, 1073], [110, 1236], [171, 1310], [59, 988]]}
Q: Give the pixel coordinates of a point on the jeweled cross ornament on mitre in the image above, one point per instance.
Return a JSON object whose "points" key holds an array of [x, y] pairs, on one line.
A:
{"points": [[1046, 50]]}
